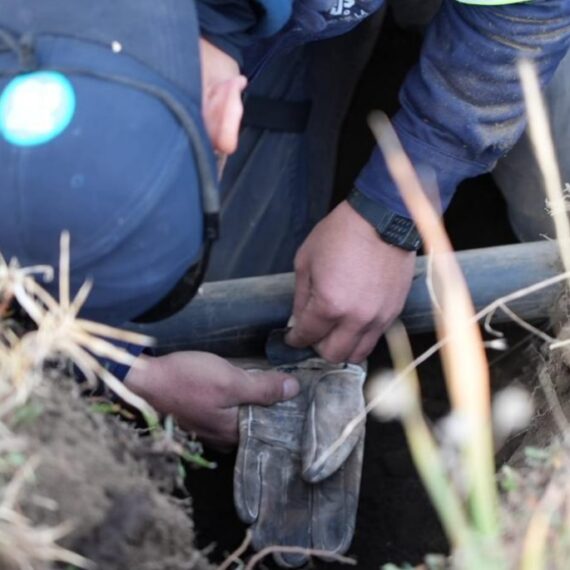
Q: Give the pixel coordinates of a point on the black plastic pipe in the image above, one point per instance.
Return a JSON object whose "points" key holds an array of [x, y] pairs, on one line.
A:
{"points": [[234, 317]]}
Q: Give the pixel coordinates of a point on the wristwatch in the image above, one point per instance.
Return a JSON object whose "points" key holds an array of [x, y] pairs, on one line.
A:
{"points": [[391, 227]]}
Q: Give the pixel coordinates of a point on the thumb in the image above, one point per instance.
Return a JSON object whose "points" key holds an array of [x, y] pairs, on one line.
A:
{"points": [[265, 388]]}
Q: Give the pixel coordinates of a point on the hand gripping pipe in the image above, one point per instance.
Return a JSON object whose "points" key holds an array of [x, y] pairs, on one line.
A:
{"points": [[234, 317]]}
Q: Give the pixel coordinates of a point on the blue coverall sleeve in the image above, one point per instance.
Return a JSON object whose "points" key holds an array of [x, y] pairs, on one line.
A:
{"points": [[233, 25], [462, 106]]}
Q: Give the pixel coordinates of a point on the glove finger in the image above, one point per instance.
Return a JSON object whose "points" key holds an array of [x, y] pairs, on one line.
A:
{"points": [[335, 502], [247, 470], [260, 427], [284, 512], [337, 400]]}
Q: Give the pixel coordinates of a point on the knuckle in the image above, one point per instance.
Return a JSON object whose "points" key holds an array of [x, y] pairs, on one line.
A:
{"points": [[336, 359], [222, 387], [375, 331], [360, 355], [357, 358], [330, 306], [224, 383], [332, 355], [362, 317]]}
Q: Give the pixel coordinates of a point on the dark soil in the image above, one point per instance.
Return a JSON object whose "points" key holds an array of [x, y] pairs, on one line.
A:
{"points": [[114, 486]]}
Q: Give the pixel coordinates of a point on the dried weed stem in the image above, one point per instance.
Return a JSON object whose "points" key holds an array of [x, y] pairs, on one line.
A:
{"points": [[324, 554], [545, 153], [236, 554], [59, 334], [463, 355], [423, 446]]}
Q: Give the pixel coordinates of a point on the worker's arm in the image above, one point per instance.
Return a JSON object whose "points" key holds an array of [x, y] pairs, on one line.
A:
{"points": [[462, 105], [462, 109]]}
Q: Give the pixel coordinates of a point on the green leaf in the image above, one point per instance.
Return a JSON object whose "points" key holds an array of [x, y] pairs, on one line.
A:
{"points": [[11, 461], [508, 479], [104, 408], [198, 460], [536, 456], [27, 414]]}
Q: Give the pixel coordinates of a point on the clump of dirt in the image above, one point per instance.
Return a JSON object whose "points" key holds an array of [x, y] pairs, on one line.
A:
{"points": [[547, 378], [113, 485], [535, 506], [535, 494]]}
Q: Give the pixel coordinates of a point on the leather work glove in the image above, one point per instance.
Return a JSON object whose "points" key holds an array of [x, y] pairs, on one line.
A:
{"points": [[282, 486]]}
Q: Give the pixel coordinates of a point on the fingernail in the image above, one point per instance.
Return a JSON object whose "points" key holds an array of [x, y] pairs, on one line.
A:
{"points": [[290, 388]]}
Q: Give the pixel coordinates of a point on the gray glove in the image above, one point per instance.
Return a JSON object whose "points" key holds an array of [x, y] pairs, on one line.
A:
{"points": [[281, 485]]}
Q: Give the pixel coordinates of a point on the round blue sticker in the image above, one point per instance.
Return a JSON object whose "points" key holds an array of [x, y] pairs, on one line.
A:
{"points": [[36, 107]]}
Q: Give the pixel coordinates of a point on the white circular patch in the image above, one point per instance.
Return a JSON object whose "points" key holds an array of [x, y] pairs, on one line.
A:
{"points": [[36, 107]]}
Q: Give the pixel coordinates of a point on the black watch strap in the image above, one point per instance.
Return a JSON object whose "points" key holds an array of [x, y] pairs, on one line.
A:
{"points": [[392, 228]]}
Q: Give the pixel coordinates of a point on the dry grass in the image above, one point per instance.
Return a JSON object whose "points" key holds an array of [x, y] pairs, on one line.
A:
{"points": [[468, 508], [469, 513], [543, 145], [59, 335]]}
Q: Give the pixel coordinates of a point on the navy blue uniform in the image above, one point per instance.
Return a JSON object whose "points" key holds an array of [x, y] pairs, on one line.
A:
{"points": [[461, 106]]}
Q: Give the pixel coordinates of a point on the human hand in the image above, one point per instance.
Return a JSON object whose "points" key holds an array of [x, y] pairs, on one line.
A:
{"points": [[350, 286], [203, 392]]}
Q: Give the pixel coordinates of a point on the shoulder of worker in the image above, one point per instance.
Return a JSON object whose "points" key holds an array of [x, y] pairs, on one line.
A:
{"points": [[234, 25], [237, 26]]}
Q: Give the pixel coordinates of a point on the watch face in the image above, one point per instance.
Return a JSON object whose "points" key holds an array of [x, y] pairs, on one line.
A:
{"points": [[401, 232], [391, 227]]}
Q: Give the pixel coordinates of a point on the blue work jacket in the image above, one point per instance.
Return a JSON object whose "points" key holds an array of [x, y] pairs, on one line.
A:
{"points": [[462, 105]]}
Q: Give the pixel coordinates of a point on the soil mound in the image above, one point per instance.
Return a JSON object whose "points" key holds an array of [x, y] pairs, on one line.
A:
{"points": [[113, 485]]}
